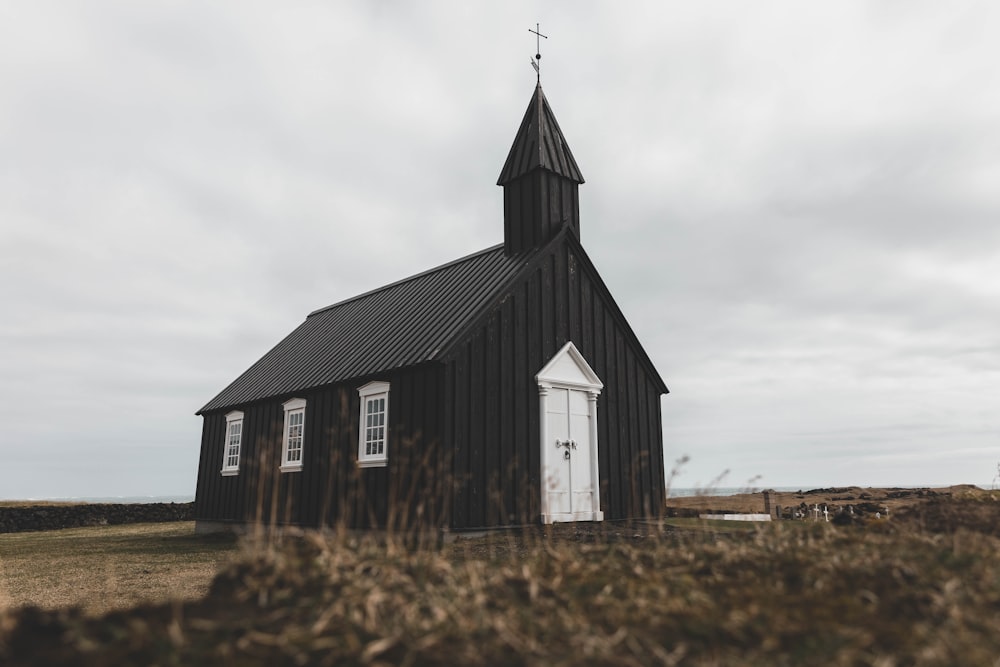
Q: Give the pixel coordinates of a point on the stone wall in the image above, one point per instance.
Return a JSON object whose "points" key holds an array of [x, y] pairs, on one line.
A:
{"points": [[53, 517]]}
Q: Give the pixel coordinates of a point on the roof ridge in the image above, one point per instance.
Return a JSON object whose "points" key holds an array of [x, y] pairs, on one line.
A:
{"points": [[407, 279]]}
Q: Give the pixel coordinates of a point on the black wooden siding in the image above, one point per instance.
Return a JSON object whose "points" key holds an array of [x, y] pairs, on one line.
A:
{"points": [[331, 488], [494, 426], [536, 207]]}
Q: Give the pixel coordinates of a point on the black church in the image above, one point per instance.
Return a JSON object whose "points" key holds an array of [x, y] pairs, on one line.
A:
{"points": [[503, 388]]}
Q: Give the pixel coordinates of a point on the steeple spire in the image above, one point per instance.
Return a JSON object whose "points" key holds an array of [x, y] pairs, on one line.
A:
{"points": [[539, 143], [540, 179]]}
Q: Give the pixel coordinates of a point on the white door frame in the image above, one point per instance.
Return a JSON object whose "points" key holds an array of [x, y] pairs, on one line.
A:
{"points": [[575, 375]]}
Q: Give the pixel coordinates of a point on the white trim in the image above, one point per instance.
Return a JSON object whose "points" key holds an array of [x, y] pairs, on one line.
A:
{"points": [[377, 387], [294, 404], [374, 391], [293, 407], [595, 469], [551, 377], [543, 404], [230, 468]]}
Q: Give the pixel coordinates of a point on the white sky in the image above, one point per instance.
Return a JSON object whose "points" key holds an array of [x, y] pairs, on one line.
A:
{"points": [[797, 205]]}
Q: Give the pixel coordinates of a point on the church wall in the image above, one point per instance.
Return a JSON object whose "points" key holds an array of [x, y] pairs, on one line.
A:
{"points": [[331, 489], [494, 428]]}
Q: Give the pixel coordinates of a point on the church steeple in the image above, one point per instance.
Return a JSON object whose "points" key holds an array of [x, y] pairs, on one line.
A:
{"points": [[540, 180]]}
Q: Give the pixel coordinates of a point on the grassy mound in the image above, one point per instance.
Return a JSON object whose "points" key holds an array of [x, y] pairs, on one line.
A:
{"points": [[912, 591]]}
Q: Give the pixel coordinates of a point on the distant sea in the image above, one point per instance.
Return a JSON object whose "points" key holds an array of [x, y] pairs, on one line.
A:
{"points": [[682, 491], [119, 499]]}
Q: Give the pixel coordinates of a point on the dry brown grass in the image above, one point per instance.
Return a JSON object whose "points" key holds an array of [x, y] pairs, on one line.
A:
{"points": [[784, 594], [109, 567], [919, 590]]}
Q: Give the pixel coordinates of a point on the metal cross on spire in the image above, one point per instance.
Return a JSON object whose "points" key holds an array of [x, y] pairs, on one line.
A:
{"points": [[536, 62]]}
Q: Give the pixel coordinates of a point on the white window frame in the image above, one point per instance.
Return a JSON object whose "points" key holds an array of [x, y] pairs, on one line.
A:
{"points": [[373, 391], [294, 406], [233, 419]]}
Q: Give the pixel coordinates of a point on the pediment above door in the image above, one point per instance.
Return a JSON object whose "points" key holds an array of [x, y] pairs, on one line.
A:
{"points": [[569, 368]]}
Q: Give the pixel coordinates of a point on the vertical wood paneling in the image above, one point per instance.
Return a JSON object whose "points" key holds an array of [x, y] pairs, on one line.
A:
{"points": [[616, 474], [208, 489], [508, 462], [491, 434], [455, 440], [574, 299], [659, 470], [523, 396], [329, 487], [537, 206], [477, 463], [547, 314], [532, 364], [541, 218], [622, 446], [636, 464], [560, 298], [642, 424], [532, 226]]}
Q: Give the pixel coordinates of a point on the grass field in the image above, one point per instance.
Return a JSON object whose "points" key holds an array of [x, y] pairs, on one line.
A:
{"points": [[102, 568]]}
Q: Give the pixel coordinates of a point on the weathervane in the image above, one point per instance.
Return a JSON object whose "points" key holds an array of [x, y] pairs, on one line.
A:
{"points": [[536, 62]]}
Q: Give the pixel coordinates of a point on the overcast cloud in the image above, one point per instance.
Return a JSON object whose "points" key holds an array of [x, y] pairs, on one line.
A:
{"points": [[797, 205]]}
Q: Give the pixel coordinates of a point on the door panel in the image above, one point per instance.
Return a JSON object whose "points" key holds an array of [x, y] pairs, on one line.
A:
{"points": [[580, 470], [570, 484], [558, 483]]}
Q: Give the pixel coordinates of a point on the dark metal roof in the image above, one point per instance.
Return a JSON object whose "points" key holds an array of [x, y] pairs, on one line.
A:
{"points": [[539, 144], [405, 323]]}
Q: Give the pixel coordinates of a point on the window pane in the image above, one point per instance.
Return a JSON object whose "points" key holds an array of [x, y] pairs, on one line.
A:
{"points": [[231, 445], [372, 426], [295, 420]]}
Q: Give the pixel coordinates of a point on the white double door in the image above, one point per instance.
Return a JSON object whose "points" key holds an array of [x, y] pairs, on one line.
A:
{"points": [[571, 482]]}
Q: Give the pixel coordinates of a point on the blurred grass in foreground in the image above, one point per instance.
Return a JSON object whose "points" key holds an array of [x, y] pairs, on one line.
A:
{"points": [[921, 589]]}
